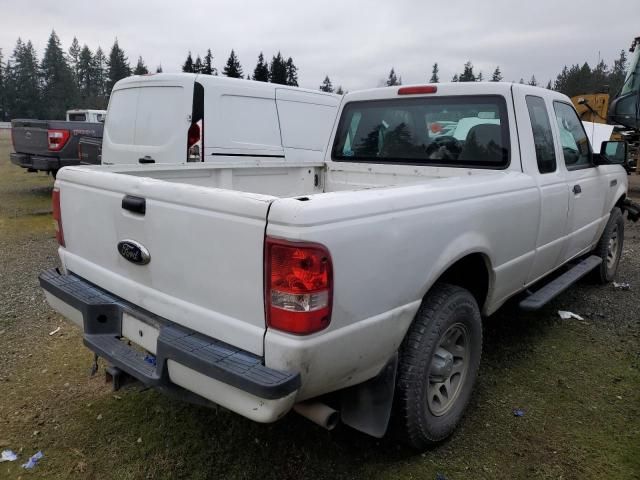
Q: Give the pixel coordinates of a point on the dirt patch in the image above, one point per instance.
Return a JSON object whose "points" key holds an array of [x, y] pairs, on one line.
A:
{"points": [[578, 383]]}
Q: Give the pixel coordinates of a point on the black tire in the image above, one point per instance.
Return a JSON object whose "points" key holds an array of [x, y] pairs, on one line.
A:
{"points": [[419, 420], [609, 248]]}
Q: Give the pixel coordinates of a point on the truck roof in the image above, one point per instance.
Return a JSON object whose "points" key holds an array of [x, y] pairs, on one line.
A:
{"points": [[85, 110], [456, 88]]}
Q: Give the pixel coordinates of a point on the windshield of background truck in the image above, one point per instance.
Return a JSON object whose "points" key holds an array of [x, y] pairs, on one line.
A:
{"points": [[450, 131]]}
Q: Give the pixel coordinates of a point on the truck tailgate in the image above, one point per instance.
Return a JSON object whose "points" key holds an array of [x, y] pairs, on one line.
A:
{"points": [[205, 245], [30, 136]]}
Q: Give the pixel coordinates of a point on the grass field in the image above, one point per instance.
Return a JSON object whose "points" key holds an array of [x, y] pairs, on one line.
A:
{"points": [[578, 382]]}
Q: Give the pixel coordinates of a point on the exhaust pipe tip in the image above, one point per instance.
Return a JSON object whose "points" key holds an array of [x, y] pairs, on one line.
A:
{"points": [[319, 413]]}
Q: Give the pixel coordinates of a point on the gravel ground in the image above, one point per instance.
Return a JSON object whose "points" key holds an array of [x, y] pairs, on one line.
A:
{"points": [[578, 382]]}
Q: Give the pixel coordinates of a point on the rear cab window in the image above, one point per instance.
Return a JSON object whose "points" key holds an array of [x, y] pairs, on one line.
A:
{"points": [[468, 131], [77, 117]]}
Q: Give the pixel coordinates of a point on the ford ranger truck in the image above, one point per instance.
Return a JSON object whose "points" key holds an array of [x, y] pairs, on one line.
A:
{"points": [[348, 287]]}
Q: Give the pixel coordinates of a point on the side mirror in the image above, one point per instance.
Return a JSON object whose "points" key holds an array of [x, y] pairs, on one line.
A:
{"points": [[612, 153]]}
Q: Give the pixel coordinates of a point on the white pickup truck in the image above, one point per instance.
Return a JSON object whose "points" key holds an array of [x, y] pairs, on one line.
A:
{"points": [[344, 287]]}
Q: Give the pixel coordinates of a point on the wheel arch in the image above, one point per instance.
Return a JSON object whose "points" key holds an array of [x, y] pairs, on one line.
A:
{"points": [[471, 271]]}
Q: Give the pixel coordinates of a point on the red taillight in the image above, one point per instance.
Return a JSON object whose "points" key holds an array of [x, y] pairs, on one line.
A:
{"points": [[298, 286], [417, 90], [193, 136], [57, 215], [57, 139]]}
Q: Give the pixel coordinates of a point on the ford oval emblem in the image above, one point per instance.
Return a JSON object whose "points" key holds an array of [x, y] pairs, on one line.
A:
{"points": [[134, 251]]}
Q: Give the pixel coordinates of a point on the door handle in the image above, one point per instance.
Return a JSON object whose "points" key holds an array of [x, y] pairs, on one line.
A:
{"points": [[146, 159], [134, 204], [577, 189]]}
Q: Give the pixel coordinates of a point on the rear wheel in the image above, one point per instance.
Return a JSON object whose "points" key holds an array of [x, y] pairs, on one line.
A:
{"points": [[609, 247], [438, 366]]}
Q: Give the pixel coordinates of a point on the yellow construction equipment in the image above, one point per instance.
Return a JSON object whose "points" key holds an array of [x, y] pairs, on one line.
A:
{"points": [[623, 112]]}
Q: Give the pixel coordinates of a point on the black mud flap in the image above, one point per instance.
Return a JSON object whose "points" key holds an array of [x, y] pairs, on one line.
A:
{"points": [[632, 209], [367, 407]]}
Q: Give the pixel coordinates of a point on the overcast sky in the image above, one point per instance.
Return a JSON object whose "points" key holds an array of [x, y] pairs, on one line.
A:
{"points": [[354, 42]]}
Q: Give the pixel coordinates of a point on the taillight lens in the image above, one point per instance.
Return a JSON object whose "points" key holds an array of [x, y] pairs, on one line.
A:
{"points": [[57, 139], [298, 286], [193, 136], [57, 215]]}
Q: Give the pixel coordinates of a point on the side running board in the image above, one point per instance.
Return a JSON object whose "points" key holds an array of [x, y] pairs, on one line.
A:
{"points": [[544, 295]]}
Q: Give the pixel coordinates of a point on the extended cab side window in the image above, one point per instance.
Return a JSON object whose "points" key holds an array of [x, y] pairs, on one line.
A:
{"points": [[542, 136], [574, 141]]}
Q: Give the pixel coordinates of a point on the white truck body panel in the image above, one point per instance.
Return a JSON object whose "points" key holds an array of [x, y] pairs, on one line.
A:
{"points": [[392, 231]]}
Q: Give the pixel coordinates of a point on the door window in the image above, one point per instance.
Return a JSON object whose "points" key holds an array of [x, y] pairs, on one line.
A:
{"points": [[573, 138], [542, 136]]}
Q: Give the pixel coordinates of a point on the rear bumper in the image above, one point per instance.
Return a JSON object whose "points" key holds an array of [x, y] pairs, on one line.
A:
{"points": [[36, 162], [219, 372]]}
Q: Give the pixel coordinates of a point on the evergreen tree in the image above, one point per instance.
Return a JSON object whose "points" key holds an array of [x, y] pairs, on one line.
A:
{"points": [[435, 78], [101, 78], [521, 81], [467, 75], [455, 78], [118, 66], [59, 92], [86, 75], [479, 78], [533, 82], [549, 87], [292, 73], [497, 75], [339, 90], [561, 80], [188, 64], [393, 79], [74, 58], [278, 70], [326, 85], [8, 94], [22, 83], [261, 72], [2, 93], [159, 69], [141, 68], [618, 73], [207, 67], [599, 78], [197, 65], [233, 68]]}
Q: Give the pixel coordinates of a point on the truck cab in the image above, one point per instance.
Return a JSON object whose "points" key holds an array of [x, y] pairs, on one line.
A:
{"points": [[84, 115]]}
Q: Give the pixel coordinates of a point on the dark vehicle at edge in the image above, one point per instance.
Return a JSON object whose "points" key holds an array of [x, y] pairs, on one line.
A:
{"points": [[49, 145]]}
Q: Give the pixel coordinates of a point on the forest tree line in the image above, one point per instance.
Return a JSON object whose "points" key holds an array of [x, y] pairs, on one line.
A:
{"points": [[82, 78]]}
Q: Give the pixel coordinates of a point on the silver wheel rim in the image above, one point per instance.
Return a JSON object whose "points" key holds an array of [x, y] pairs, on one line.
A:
{"points": [[448, 369], [612, 249]]}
